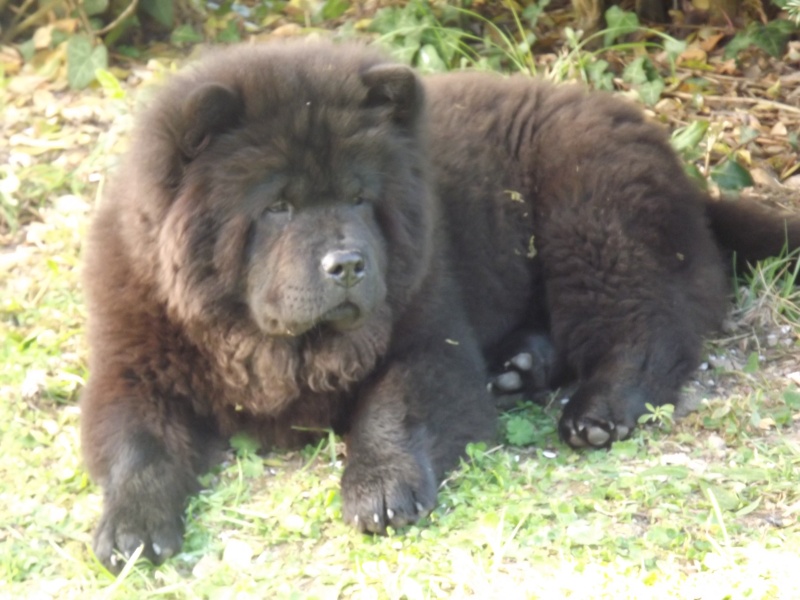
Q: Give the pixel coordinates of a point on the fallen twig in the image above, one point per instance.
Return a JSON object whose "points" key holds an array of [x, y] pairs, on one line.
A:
{"points": [[736, 100]]}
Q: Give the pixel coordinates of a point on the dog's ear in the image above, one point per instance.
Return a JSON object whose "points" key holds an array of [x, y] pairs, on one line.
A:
{"points": [[209, 110], [397, 87]]}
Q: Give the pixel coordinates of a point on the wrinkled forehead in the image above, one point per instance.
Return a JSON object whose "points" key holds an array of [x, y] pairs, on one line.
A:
{"points": [[320, 144], [318, 105], [307, 80], [325, 118], [306, 161]]}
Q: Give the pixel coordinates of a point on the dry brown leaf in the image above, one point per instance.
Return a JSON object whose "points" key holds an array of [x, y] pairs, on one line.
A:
{"points": [[10, 60], [727, 67], [44, 100], [66, 25], [288, 30], [43, 37], [766, 423], [693, 54], [709, 43], [24, 85], [779, 129]]}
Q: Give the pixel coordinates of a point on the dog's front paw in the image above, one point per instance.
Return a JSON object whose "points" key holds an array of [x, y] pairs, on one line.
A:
{"points": [[128, 523], [394, 491], [598, 415], [587, 431]]}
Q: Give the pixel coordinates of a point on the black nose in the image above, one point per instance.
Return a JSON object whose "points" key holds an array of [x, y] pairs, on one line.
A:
{"points": [[345, 267]]}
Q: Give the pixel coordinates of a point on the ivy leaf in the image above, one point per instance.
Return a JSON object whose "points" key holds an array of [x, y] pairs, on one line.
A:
{"points": [[688, 138], [645, 78], [650, 92], [693, 172], [520, 431], [636, 71], [674, 48], [599, 75], [741, 41], [730, 175], [771, 38], [83, 61], [333, 9], [620, 23], [94, 7], [161, 10]]}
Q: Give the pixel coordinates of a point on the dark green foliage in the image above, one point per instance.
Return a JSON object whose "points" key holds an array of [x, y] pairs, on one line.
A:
{"points": [[730, 175], [770, 37]]}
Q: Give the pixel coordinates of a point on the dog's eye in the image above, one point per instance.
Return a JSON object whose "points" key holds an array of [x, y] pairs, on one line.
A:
{"points": [[359, 199], [281, 206]]}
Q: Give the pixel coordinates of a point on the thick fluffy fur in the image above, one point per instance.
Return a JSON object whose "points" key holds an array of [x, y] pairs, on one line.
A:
{"points": [[625, 276], [299, 239]]}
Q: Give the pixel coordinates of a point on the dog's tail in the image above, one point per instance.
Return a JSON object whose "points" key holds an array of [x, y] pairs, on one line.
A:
{"points": [[753, 230]]}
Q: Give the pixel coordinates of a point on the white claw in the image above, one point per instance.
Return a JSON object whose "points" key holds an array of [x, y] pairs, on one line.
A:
{"points": [[390, 513], [156, 549], [376, 518], [576, 441], [355, 520], [113, 560], [420, 508], [523, 361]]}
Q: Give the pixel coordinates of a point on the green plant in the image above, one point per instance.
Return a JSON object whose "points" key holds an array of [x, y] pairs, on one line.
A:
{"points": [[576, 61], [529, 425], [662, 416], [771, 290], [88, 29], [414, 35], [695, 143], [772, 36], [435, 37]]}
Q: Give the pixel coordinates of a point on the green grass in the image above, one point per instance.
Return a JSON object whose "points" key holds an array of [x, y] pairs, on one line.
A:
{"points": [[704, 506]]}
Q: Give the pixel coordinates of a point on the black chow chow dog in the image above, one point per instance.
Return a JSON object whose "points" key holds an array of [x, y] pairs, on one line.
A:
{"points": [[310, 236]]}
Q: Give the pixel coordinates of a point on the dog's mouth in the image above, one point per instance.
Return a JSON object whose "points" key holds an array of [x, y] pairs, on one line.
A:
{"points": [[343, 317]]}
